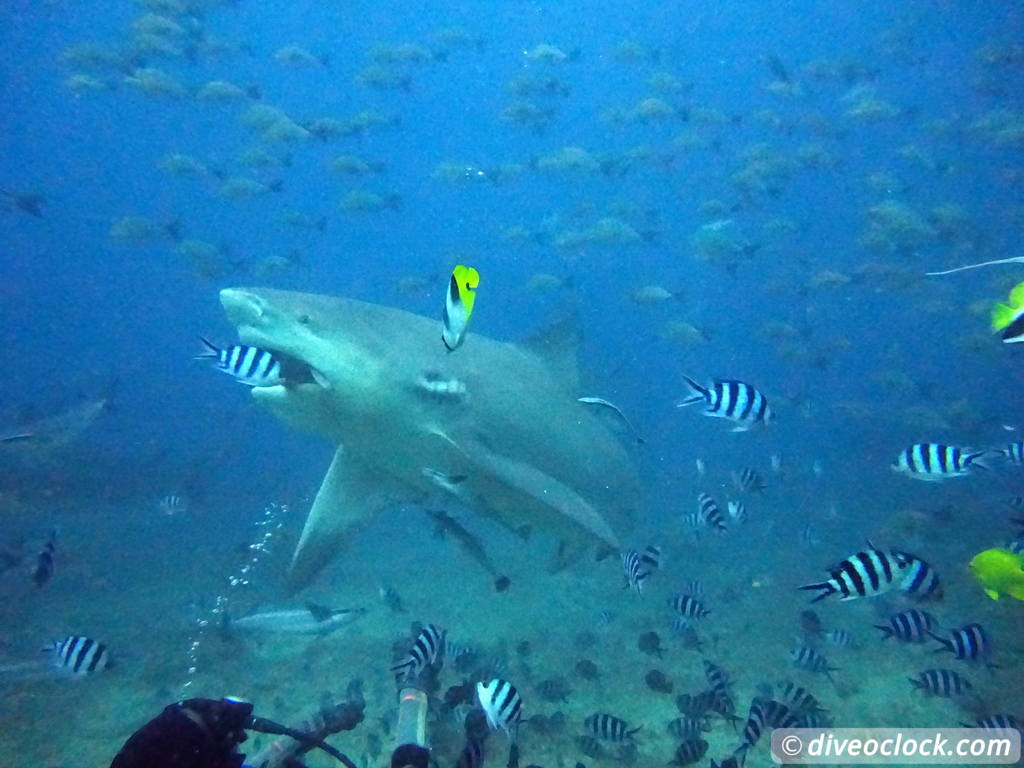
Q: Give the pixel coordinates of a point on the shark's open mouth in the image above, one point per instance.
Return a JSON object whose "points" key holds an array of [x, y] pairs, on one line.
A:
{"points": [[296, 372]]}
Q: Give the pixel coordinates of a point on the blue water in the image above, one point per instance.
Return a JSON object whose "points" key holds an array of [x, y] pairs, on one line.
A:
{"points": [[86, 315]]}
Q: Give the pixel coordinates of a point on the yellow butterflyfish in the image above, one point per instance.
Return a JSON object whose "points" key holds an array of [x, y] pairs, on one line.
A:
{"points": [[458, 305], [1000, 572]]}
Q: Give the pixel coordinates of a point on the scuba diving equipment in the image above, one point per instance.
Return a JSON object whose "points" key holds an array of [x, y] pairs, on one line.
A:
{"points": [[411, 732], [204, 733], [328, 719], [195, 733]]}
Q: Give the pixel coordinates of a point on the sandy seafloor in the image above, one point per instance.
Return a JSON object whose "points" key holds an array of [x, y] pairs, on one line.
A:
{"points": [[138, 581]]}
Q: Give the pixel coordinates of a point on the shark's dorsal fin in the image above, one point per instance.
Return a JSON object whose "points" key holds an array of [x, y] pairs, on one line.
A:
{"points": [[558, 346], [319, 612]]}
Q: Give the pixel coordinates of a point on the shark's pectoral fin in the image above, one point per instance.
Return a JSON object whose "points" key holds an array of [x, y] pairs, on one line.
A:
{"points": [[548, 491], [347, 500]]}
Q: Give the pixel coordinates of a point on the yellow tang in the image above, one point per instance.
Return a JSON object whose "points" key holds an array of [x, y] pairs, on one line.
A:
{"points": [[1010, 319], [1000, 572], [458, 305]]}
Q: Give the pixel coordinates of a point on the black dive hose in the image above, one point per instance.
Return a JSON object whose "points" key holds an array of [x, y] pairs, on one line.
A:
{"points": [[263, 725]]}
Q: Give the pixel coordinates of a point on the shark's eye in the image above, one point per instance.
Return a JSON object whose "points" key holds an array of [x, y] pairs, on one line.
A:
{"points": [[304, 319]]}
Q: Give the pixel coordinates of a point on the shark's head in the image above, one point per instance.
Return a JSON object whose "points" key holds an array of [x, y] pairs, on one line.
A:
{"points": [[330, 367]]}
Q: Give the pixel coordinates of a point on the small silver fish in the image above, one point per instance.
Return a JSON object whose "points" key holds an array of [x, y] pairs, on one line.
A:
{"points": [[616, 411]]}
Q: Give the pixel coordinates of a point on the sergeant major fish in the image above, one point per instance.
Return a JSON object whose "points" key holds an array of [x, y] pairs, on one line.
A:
{"points": [[426, 649], [865, 574], [79, 655], [502, 705], [708, 512], [968, 643], [252, 366], [944, 683], [920, 580], [748, 480], [1014, 453], [736, 401], [935, 461], [911, 626], [609, 727]]}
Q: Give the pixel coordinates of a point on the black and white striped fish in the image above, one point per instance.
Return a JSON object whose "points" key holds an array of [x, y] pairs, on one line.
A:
{"points": [[634, 570], [805, 657], [79, 655], [718, 682], [44, 567], [840, 637], [639, 565], [996, 723], [1014, 452], [609, 727], [733, 400], [749, 481], [252, 366], [865, 574], [911, 626], [920, 580], [968, 643], [172, 504], [797, 698], [391, 598], [709, 513], [944, 683], [684, 628], [427, 648], [808, 535], [689, 752], [501, 704], [737, 512], [687, 727], [764, 714], [696, 705], [688, 606], [693, 521], [936, 461], [651, 557]]}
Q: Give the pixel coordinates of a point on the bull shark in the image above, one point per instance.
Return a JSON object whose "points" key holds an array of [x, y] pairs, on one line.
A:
{"points": [[40, 440], [499, 419]]}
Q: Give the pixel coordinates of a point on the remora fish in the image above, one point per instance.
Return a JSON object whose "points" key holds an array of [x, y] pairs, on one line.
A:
{"points": [[527, 450], [311, 620], [614, 409], [445, 524]]}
